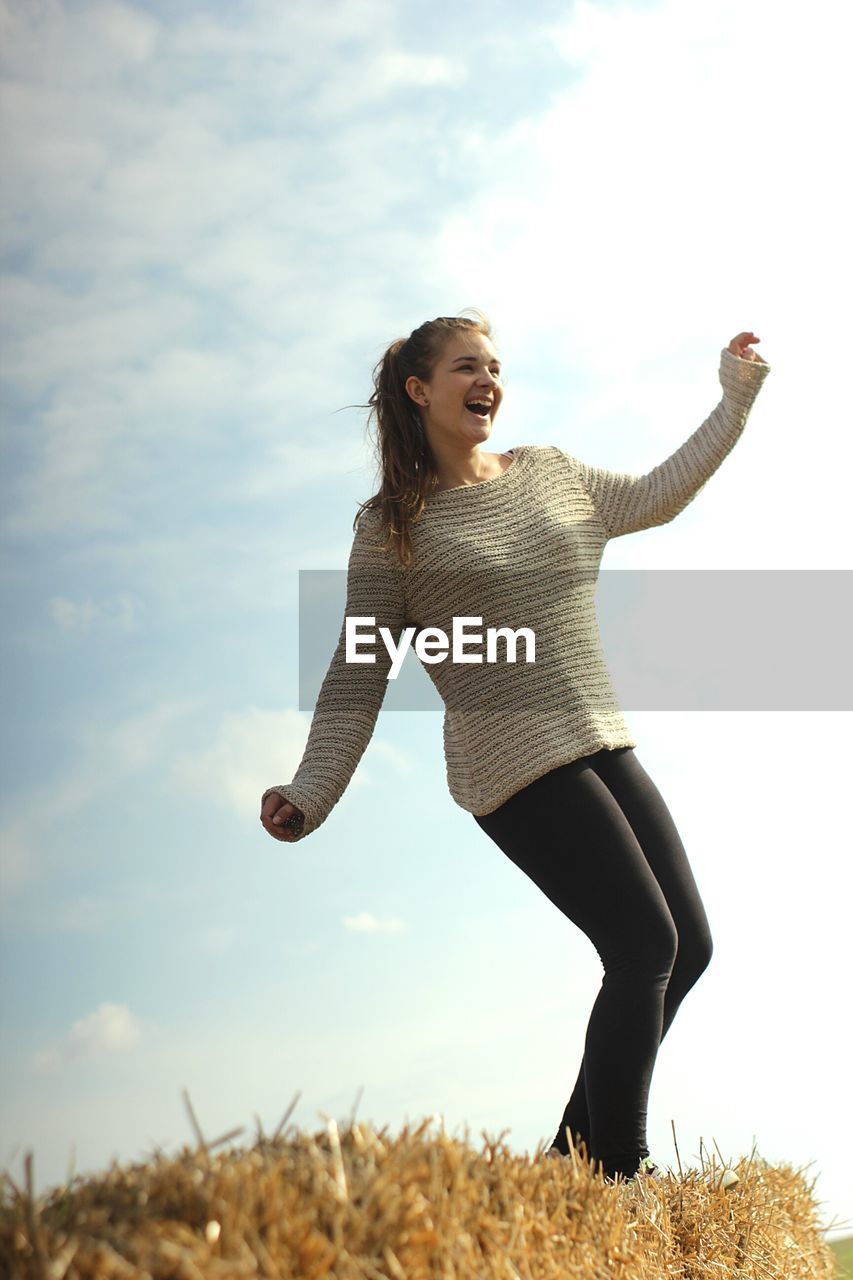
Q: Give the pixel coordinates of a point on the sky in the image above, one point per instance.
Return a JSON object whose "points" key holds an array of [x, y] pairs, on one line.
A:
{"points": [[215, 218]]}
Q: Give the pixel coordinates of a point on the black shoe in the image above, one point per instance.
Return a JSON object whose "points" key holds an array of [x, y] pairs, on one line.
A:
{"points": [[647, 1169]]}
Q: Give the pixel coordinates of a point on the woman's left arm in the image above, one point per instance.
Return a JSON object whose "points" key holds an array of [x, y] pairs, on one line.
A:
{"points": [[628, 503]]}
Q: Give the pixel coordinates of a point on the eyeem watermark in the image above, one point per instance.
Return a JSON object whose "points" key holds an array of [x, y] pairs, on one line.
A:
{"points": [[673, 639], [432, 644]]}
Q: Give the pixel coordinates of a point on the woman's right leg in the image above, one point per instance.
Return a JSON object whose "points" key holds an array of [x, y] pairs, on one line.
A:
{"points": [[653, 825], [568, 834]]}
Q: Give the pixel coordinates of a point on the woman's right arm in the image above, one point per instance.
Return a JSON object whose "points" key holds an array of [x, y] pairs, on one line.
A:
{"points": [[351, 693]]}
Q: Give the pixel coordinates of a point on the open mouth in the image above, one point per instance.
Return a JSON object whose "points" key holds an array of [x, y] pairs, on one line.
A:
{"points": [[480, 408]]}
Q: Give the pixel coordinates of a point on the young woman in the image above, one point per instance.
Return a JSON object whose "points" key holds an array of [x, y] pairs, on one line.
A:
{"points": [[538, 752]]}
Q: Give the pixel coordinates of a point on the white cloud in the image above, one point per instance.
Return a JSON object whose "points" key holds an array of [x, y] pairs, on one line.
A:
{"points": [[243, 753], [398, 68], [111, 1028], [399, 761], [301, 36], [365, 922], [217, 939], [125, 31], [255, 749], [71, 615], [81, 914], [18, 856], [46, 1061], [303, 463], [140, 740], [98, 37], [80, 615]]}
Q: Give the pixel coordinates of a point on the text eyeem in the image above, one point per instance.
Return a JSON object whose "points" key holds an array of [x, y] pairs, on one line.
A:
{"points": [[432, 644]]}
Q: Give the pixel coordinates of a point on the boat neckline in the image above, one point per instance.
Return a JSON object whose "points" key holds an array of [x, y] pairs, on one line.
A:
{"points": [[442, 494]]}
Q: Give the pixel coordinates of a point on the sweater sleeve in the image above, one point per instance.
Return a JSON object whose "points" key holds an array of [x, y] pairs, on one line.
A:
{"points": [[627, 503], [351, 693]]}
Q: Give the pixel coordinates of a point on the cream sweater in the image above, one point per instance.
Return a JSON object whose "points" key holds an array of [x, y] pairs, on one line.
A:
{"points": [[522, 549]]}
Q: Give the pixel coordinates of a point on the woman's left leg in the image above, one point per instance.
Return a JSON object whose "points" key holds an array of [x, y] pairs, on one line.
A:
{"points": [[653, 825]]}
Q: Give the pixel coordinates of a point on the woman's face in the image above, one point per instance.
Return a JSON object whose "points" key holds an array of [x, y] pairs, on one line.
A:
{"points": [[468, 370]]}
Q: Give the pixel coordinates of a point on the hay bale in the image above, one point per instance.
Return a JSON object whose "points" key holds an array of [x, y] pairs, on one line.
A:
{"points": [[359, 1205]]}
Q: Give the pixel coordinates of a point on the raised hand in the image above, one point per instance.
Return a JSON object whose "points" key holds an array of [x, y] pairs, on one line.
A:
{"points": [[740, 346]]}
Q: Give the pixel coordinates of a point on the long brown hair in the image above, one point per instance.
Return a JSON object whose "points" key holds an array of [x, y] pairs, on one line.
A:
{"points": [[407, 463]]}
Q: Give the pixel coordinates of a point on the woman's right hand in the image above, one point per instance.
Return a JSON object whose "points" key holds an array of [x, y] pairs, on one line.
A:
{"points": [[275, 807]]}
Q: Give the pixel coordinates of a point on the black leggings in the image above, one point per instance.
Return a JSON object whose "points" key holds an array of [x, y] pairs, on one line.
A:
{"points": [[597, 838]]}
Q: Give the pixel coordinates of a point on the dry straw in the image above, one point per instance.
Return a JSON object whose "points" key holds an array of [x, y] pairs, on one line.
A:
{"points": [[356, 1203]]}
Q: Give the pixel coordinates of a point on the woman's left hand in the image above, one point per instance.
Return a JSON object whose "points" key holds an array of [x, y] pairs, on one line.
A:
{"points": [[740, 346]]}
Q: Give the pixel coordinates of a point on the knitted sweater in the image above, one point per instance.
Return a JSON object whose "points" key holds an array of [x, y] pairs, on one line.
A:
{"points": [[522, 549]]}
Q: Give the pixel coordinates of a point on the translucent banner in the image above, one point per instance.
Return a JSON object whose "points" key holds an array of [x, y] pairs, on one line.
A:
{"points": [[673, 640]]}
